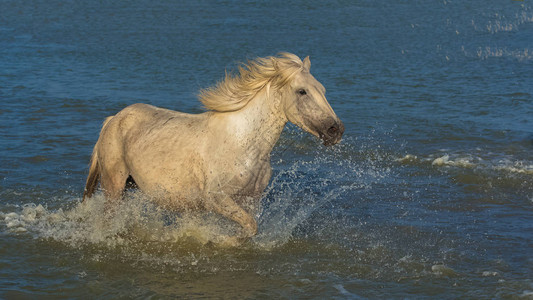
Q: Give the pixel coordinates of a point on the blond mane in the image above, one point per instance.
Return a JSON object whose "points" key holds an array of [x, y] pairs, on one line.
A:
{"points": [[235, 91]]}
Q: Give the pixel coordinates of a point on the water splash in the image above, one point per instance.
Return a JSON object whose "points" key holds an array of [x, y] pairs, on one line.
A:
{"points": [[297, 190], [135, 220]]}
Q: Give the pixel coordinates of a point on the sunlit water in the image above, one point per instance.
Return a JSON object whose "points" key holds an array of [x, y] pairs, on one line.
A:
{"points": [[430, 193]]}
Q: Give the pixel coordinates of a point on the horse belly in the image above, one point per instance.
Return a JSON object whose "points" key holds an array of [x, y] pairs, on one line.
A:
{"points": [[169, 177], [168, 169]]}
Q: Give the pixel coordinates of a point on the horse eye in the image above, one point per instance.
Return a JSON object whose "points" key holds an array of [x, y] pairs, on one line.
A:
{"points": [[302, 92]]}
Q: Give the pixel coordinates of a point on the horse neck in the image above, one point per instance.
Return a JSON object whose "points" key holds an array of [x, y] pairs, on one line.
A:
{"points": [[260, 122]]}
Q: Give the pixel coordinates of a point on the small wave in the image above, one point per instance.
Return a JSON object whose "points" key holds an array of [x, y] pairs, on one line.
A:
{"points": [[526, 294], [501, 22], [488, 52], [443, 270], [440, 161], [345, 293], [518, 167], [464, 162], [470, 162]]}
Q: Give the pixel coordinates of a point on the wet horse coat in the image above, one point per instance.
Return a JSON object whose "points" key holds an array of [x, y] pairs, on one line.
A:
{"points": [[215, 160]]}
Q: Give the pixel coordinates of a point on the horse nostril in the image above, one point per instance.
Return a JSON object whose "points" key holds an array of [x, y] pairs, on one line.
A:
{"points": [[333, 130]]}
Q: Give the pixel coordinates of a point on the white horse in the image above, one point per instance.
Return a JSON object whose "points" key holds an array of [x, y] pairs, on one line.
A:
{"points": [[215, 160]]}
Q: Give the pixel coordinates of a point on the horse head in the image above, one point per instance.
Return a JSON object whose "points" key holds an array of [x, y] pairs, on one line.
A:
{"points": [[305, 105]]}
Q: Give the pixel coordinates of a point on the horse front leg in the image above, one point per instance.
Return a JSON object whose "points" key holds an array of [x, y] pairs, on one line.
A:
{"points": [[227, 207]]}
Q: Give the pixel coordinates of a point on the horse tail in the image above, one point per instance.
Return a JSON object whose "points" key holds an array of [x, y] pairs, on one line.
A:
{"points": [[94, 167]]}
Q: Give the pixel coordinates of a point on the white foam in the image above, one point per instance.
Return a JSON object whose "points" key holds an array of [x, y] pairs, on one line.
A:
{"points": [[442, 270], [489, 273], [407, 158], [464, 162], [519, 167], [441, 161]]}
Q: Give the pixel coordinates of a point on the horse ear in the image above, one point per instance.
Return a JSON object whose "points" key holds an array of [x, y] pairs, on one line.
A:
{"points": [[307, 63]]}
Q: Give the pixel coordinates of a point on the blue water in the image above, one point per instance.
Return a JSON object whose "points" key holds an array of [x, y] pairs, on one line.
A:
{"points": [[429, 195]]}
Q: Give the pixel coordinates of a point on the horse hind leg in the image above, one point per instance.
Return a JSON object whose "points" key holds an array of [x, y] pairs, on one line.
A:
{"points": [[113, 180]]}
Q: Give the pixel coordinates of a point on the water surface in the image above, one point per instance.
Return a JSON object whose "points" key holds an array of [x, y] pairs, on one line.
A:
{"points": [[429, 195]]}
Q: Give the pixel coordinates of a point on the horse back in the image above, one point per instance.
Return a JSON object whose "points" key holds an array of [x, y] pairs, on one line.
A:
{"points": [[144, 121]]}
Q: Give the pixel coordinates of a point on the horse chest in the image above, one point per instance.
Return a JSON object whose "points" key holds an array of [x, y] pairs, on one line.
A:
{"points": [[251, 179]]}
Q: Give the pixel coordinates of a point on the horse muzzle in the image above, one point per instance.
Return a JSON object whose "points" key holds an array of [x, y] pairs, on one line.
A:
{"points": [[332, 133]]}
